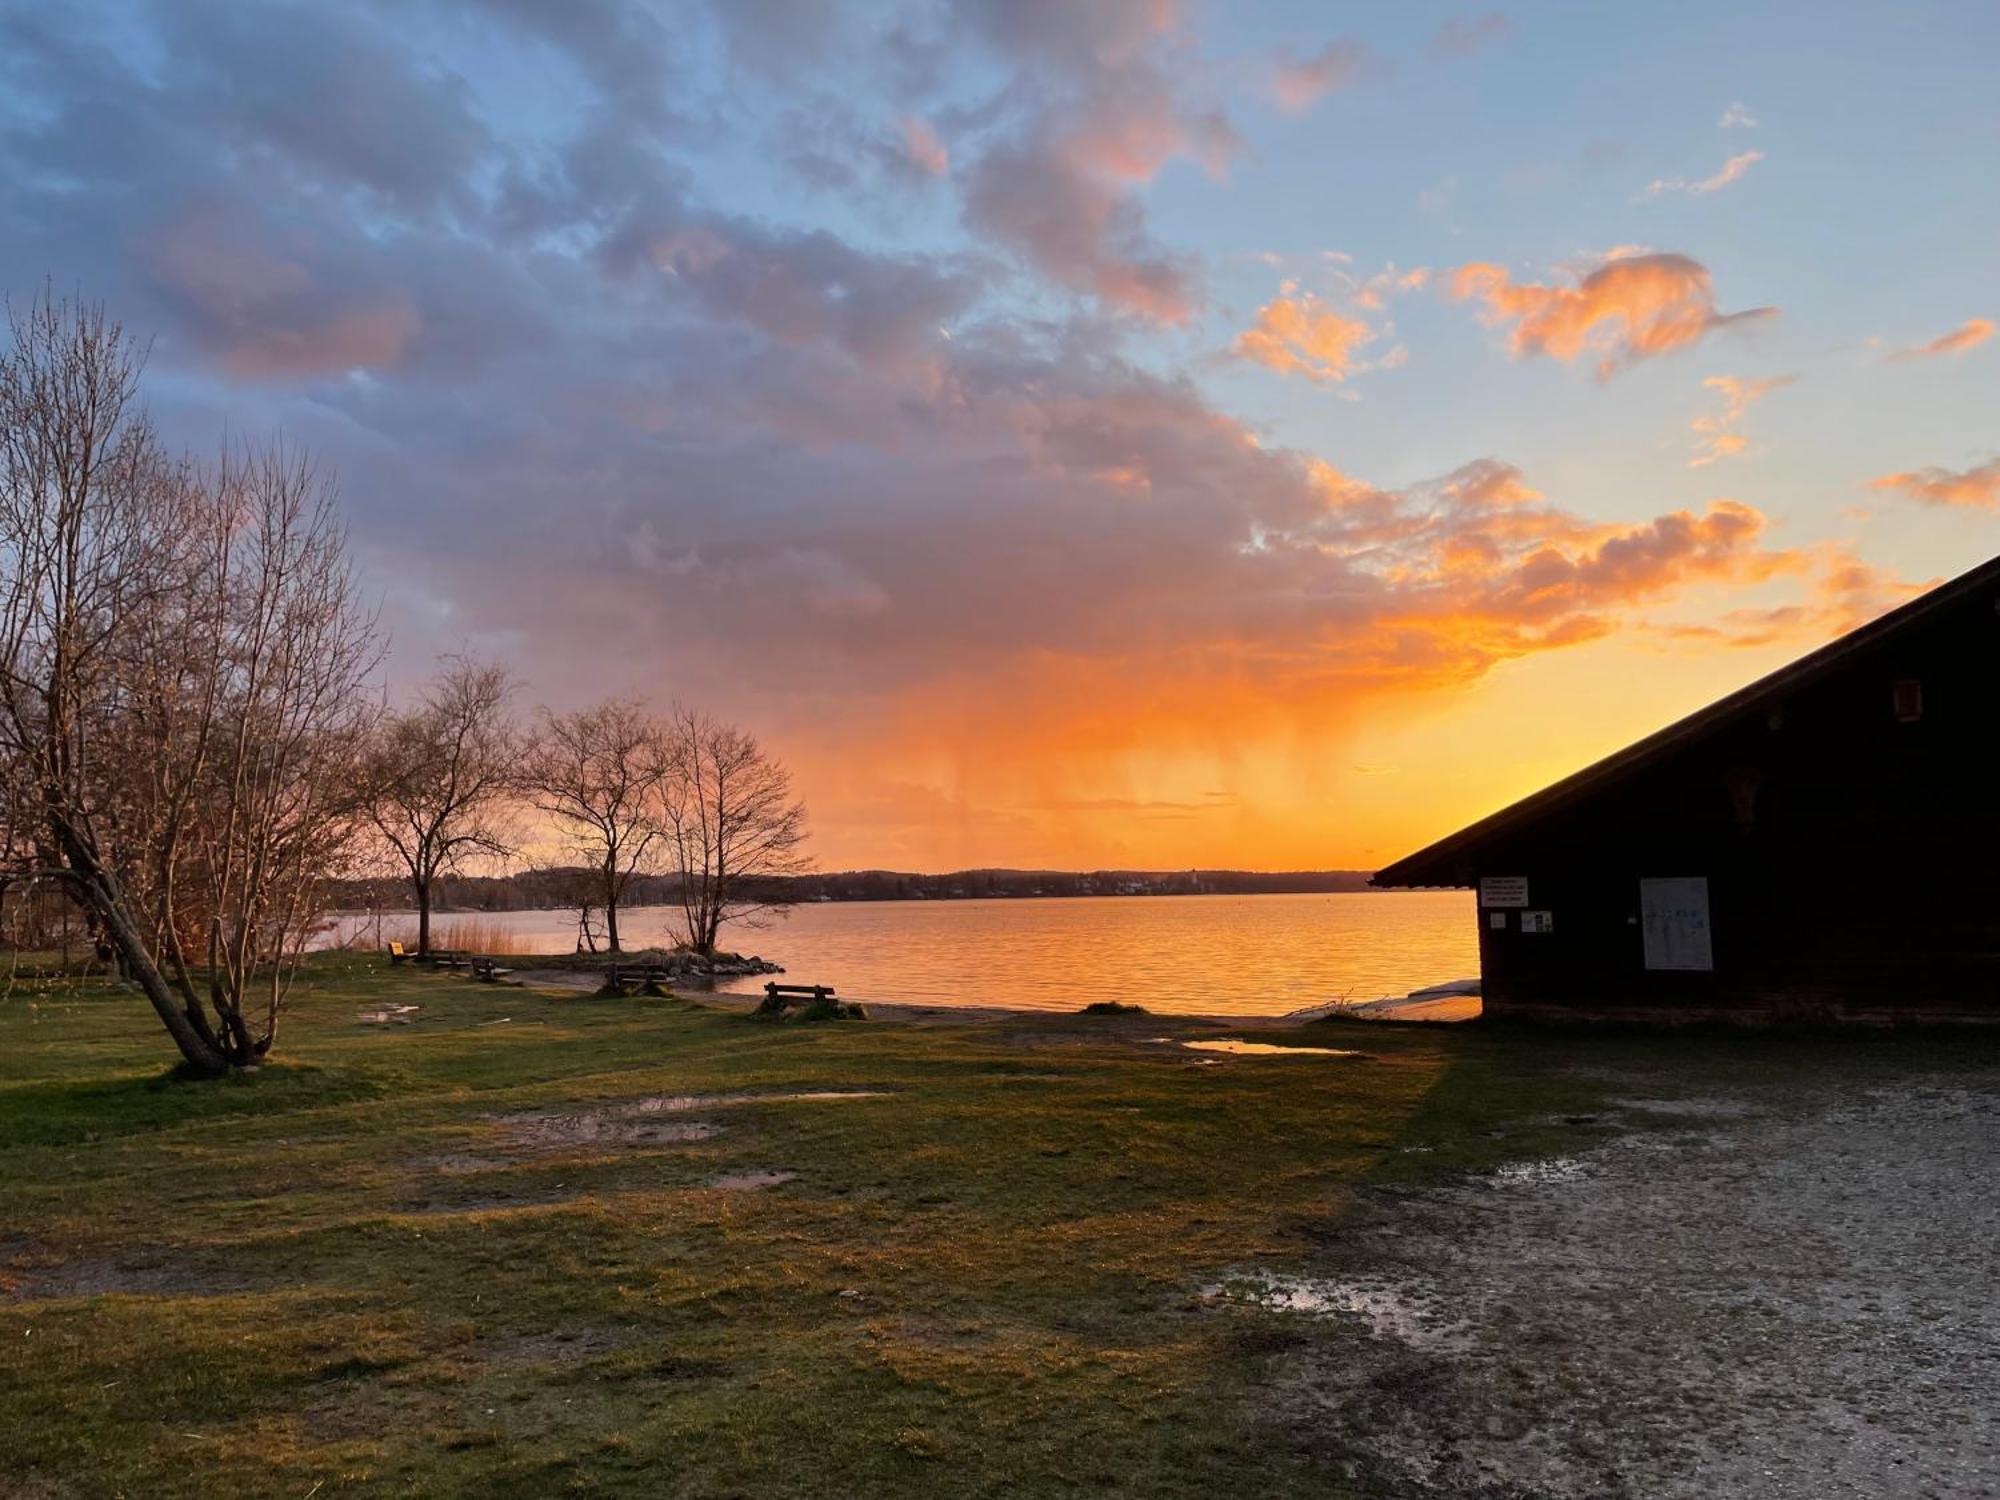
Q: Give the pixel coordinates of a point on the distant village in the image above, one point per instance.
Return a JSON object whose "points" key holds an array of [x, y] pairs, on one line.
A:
{"points": [[557, 888]]}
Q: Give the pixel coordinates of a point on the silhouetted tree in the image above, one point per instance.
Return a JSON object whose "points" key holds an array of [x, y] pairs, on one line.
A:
{"points": [[597, 774], [438, 780], [732, 823]]}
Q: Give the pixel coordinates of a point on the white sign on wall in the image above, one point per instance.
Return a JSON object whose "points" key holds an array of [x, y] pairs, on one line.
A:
{"points": [[1673, 918], [1503, 890], [1538, 921]]}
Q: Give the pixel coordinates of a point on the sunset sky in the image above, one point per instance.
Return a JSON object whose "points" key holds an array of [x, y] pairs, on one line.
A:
{"points": [[1144, 433]]}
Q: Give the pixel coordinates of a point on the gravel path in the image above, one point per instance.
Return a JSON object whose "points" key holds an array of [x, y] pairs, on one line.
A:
{"points": [[1728, 1301]]}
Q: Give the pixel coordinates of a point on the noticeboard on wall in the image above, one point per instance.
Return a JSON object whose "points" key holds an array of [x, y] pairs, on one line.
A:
{"points": [[1503, 890], [1673, 920]]}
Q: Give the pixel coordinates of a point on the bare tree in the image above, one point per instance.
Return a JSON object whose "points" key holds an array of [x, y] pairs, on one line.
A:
{"points": [[733, 824], [439, 778], [180, 671], [82, 538], [598, 775], [277, 814]]}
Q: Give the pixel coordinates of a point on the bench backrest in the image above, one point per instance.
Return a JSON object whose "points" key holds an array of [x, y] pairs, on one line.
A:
{"points": [[397, 949]]}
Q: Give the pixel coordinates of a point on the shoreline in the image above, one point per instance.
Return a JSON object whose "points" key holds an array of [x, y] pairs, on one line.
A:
{"points": [[1420, 1007]]}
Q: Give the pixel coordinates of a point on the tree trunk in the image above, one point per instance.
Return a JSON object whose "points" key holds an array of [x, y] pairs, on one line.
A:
{"points": [[423, 918], [611, 925], [100, 890]]}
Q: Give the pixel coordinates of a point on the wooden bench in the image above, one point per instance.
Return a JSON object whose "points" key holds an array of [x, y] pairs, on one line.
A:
{"points": [[779, 997], [488, 972], [450, 958], [398, 953], [636, 979]]}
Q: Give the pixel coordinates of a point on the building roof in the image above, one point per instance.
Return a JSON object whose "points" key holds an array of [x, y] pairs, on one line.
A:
{"points": [[1442, 863]]}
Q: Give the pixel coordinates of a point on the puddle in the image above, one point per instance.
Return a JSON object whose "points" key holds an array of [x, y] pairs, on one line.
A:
{"points": [[750, 1182], [393, 1015], [1256, 1049], [634, 1122], [555, 1131], [1539, 1173], [666, 1104], [1394, 1312], [1693, 1109]]}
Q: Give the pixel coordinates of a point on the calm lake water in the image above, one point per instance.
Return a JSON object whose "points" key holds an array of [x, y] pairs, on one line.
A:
{"points": [[1224, 955]]}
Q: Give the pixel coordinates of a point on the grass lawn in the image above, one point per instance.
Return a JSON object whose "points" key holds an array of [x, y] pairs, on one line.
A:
{"points": [[463, 1256]]}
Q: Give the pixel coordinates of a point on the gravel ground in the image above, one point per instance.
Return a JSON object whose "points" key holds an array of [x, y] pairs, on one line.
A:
{"points": [[1728, 1300]]}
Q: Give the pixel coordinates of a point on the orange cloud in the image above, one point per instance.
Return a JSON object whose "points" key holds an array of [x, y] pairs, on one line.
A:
{"points": [[1630, 308], [1977, 488], [1718, 434], [1968, 335], [1846, 593], [1296, 333]]}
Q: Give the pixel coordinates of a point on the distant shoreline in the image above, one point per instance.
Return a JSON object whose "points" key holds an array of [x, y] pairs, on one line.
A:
{"points": [[401, 908]]}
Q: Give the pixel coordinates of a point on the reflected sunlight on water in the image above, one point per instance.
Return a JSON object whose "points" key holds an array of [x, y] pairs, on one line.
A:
{"points": [[1225, 955]]}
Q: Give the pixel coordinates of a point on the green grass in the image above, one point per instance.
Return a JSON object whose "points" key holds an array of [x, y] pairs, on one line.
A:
{"points": [[349, 1270]]}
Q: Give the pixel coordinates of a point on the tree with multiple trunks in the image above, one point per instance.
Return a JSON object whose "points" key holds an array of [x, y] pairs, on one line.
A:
{"points": [[182, 661]]}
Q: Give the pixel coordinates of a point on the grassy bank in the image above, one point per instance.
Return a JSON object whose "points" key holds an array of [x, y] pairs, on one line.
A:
{"points": [[465, 1255]]}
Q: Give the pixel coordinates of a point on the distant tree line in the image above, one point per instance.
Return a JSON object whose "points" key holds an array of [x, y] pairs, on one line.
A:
{"points": [[541, 889], [191, 756]]}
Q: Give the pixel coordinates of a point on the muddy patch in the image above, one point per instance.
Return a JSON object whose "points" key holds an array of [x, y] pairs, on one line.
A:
{"points": [[673, 1104], [600, 1128], [562, 1346], [46, 1277], [750, 1182], [647, 1121], [462, 1163]]}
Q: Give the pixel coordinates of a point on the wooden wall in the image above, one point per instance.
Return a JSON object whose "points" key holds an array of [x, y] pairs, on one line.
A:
{"points": [[1852, 858]]}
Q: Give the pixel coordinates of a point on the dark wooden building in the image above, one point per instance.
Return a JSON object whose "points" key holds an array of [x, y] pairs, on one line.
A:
{"points": [[1822, 845]]}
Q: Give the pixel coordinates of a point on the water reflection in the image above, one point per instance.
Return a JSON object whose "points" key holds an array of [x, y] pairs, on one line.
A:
{"points": [[1216, 955]]}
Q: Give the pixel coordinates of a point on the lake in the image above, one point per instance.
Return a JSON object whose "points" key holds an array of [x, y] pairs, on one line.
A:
{"points": [[1223, 955]]}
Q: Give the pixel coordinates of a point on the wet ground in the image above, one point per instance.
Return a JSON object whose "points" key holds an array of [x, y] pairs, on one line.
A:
{"points": [[1733, 1297]]}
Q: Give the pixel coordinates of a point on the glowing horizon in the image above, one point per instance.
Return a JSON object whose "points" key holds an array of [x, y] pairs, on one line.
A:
{"points": [[1144, 435]]}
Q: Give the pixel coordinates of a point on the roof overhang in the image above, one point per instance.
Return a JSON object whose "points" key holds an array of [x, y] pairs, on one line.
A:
{"points": [[1449, 861]]}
